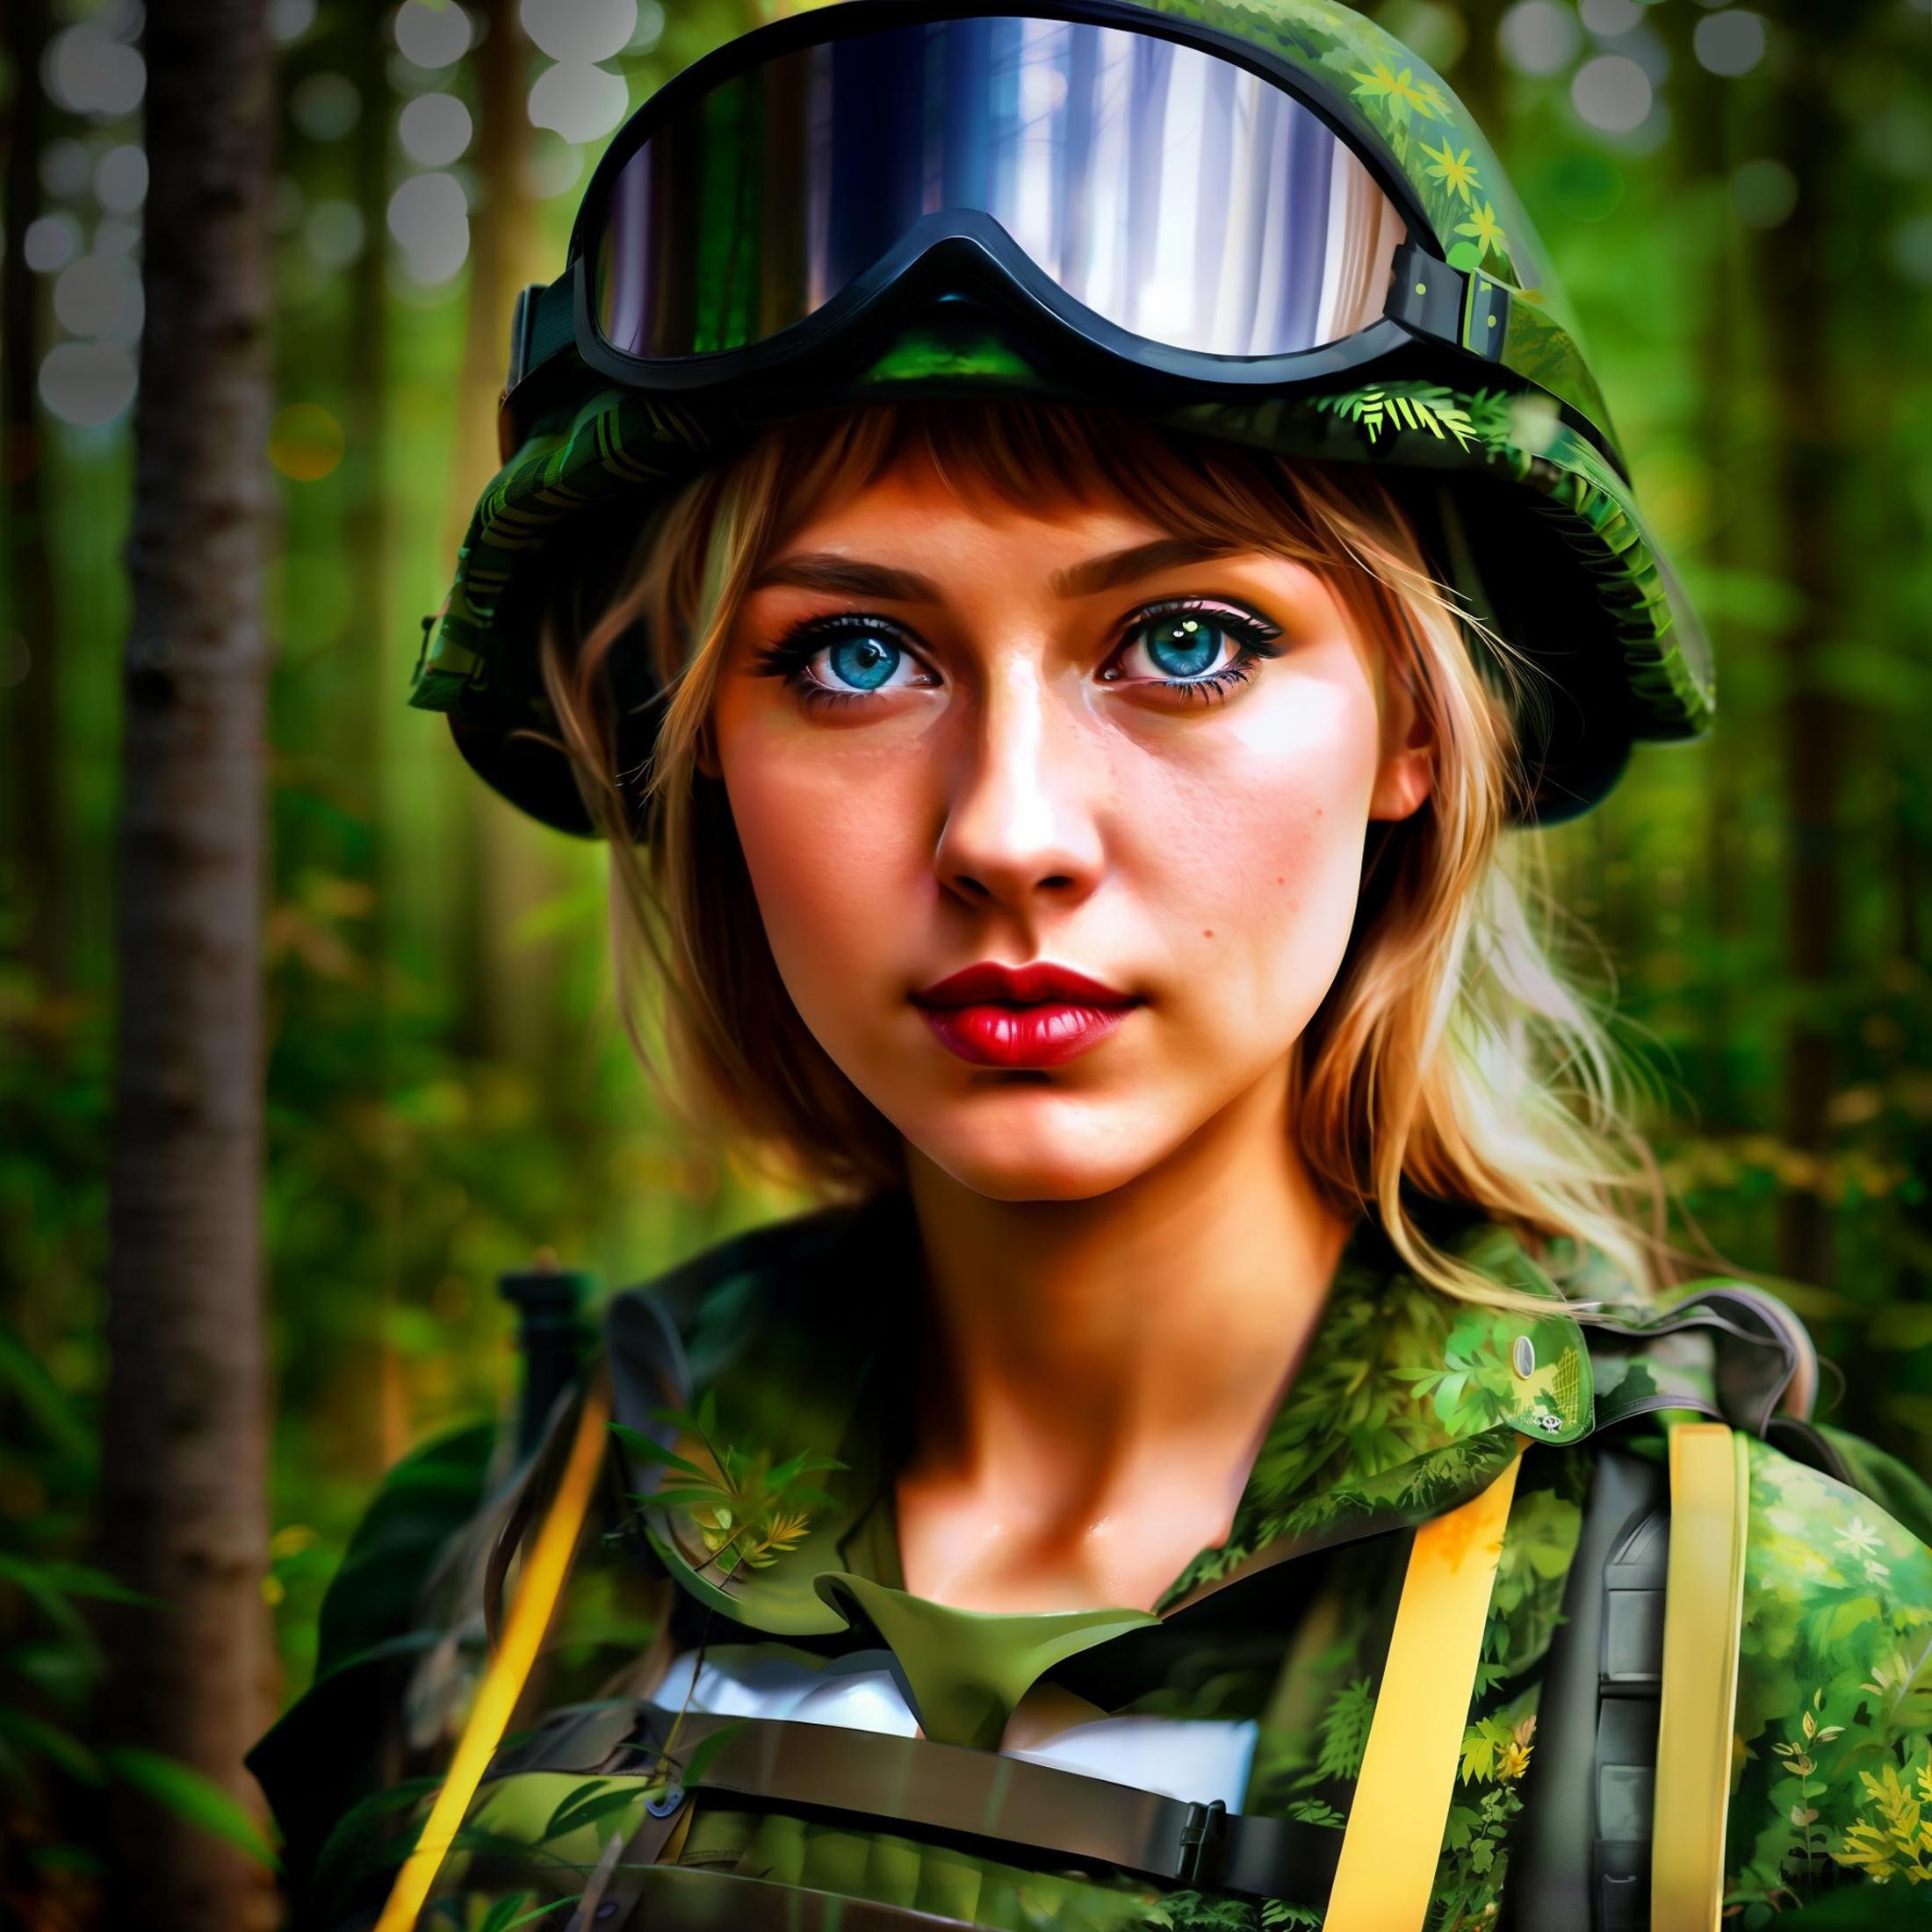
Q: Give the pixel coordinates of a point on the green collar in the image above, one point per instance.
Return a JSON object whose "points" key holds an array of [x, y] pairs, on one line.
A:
{"points": [[1405, 1403]]}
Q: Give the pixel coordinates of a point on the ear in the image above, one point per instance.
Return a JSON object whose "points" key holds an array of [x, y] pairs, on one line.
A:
{"points": [[705, 756], [1408, 771]]}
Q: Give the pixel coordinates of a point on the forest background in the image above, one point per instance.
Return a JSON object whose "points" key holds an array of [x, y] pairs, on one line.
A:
{"points": [[1741, 204]]}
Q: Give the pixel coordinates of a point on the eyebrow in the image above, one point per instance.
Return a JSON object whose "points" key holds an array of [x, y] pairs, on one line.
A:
{"points": [[1125, 567], [849, 577]]}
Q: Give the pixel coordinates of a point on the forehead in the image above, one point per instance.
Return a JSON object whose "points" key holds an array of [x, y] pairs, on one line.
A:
{"points": [[916, 497]]}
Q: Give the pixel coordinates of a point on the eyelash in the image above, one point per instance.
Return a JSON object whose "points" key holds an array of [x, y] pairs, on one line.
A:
{"points": [[787, 657]]}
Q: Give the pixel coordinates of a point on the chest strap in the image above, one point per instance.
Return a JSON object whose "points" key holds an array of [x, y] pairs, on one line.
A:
{"points": [[1395, 1824], [826, 1769], [1385, 1871]]}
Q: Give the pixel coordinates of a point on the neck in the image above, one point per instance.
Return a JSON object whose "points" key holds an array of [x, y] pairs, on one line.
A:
{"points": [[1089, 1341]]}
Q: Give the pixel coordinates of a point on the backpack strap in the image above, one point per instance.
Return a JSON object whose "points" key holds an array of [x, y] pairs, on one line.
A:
{"points": [[541, 1585], [1710, 1503], [1401, 1808]]}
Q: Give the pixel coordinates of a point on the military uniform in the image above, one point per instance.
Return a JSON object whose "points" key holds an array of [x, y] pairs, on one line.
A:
{"points": [[1194, 1766]]}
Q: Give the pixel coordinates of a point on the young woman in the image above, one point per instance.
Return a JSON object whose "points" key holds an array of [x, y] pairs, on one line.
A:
{"points": [[1056, 548]]}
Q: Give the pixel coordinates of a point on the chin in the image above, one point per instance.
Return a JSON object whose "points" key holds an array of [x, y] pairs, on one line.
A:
{"points": [[1038, 1152]]}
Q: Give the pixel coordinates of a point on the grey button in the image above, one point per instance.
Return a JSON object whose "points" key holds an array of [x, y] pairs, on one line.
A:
{"points": [[1522, 1356]]}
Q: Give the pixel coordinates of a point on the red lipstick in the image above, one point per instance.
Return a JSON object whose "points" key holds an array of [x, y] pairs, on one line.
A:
{"points": [[1036, 1015]]}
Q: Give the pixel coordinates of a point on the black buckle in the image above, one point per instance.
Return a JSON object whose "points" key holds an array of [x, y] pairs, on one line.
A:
{"points": [[1204, 1825]]}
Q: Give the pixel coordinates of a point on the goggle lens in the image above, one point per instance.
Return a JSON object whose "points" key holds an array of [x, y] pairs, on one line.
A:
{"points": [[1177, 196]]}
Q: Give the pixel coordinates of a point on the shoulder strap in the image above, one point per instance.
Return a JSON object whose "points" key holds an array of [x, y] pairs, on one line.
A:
{"points": [[1400, 1806], [1710, 1496], [541, 1585]]}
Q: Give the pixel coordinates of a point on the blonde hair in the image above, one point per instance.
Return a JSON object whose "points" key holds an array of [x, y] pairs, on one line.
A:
{"points": [[1450, 1060]]}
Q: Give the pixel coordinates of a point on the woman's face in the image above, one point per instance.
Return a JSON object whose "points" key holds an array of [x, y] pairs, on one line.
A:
{"points": [[1055, 822]]}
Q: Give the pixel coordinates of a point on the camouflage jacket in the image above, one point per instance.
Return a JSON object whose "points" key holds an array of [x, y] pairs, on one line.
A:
{"points": [[747, 1565]]}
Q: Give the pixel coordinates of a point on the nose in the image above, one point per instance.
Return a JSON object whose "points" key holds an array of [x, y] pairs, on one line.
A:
{"points": [[1022, 827]]}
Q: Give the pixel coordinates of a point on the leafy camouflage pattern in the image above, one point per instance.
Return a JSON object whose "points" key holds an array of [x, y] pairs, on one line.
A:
{"points": [[1405, 1405], [478, 653]]}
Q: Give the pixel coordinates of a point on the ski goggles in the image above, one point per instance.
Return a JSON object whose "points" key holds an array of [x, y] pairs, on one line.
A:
{"points": [[1134, 176]]}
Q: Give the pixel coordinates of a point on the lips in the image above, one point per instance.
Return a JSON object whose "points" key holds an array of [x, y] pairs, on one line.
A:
{"points": [[1031, 1016]]}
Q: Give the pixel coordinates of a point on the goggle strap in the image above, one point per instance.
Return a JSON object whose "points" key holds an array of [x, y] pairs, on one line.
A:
{"points": [[542, 325]]}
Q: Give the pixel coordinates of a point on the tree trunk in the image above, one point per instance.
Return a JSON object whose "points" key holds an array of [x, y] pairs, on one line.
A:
{"points": [[511, 982], [29, 663], [182, 1502]]}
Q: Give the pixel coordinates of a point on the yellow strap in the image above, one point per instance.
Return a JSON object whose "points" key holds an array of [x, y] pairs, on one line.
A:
{"points": [[536, 1594], [1401, 1810], [1702, 1605]]}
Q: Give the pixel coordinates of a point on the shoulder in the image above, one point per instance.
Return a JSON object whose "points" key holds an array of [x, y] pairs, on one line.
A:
{"points": [[1834, 1715]]}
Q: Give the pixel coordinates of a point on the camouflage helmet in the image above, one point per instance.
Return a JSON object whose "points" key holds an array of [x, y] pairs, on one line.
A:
{"points": [[1470, 388]]}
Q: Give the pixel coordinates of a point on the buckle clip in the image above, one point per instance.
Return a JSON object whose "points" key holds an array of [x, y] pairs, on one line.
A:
{"points": [[1203, 1826]]}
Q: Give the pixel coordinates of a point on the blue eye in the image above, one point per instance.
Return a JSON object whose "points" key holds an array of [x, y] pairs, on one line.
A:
{"points": [[1183, 646], [845, 658], [864, 662], [1200, 651]]}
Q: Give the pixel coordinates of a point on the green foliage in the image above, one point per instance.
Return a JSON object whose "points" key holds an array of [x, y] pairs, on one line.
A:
{"points": [[747, 1510], [1344, 1730], [183, 1790]]}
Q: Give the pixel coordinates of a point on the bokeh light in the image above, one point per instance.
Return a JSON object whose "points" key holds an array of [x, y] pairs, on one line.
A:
{"points": [[579, 31], [552, 166], [66, 167], [432, 36], [86, 73], [433, 129], [87, 383], [1612, 92], [290, 19], [1539, 37], [1610, 17], [100, 295], [577, 101], [430, 220], [1730, 43], [334, 234], [120, 178], [649, 27], [1435, 33], [51, 242], [325, 106], [305, 441]]}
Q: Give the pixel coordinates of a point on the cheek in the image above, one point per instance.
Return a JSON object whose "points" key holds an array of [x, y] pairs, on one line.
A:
{"points": [[1257, 850], [830, 843]]}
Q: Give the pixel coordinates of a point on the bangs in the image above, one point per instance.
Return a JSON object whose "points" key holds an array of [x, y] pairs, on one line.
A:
{"points": [[1041, 457]]}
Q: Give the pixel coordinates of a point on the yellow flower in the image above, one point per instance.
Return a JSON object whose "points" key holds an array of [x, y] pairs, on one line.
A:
{"points": [[1454, 171], [1484, 230], [1514, 1758], [1402, 91]]}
